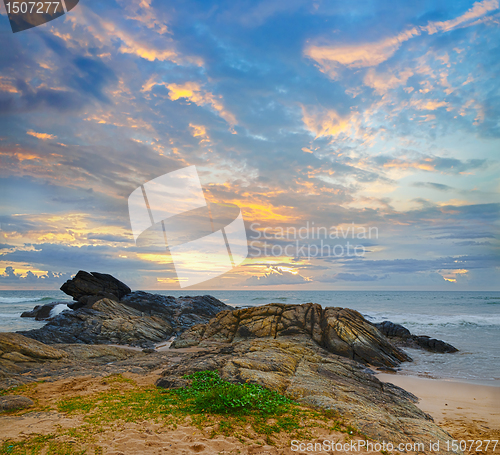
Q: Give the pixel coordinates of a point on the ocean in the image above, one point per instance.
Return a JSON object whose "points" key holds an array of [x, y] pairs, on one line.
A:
{"points": [[468, 320]]}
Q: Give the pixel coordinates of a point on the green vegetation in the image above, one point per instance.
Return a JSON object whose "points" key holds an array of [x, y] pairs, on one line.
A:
{"points": [[40, 444], [209, 393], [248, 412]]}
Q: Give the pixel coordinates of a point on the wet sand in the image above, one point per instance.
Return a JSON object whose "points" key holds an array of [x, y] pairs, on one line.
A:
{"points": [[466, 411]]}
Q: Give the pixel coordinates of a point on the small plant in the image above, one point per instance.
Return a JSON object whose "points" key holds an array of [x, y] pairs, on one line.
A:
{"points": [[209, 393]]}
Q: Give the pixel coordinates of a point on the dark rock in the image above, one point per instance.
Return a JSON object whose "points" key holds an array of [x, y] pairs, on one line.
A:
{"points": [[13, 402], [401, 336], [390, 330], [184, 311], [99, 284], [41, 312], [339, 330], [106, 322], [299, 368], [87, 301], [433, 345], [140, 319]]}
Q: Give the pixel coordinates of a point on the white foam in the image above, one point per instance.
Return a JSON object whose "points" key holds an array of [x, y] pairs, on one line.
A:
{"points": [[58, 309], [412, 319], [21, 299]]}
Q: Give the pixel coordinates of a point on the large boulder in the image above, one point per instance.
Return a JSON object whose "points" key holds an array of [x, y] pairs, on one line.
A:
{"points": [[296, 366], [339, 330], [95, 284]]}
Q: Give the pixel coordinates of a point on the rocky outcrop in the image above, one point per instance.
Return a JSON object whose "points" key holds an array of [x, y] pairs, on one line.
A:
{"points": [[15, 347], [107, 312], [105, 322], [42, 312], [182, 312], [296, 366], [339, 330], [15, 402], [24, 360], [95, 284], [140, 319], [401, 336]]}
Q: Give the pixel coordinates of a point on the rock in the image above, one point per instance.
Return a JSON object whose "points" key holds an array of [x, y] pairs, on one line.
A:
{"points": [[433, 345], [296, 366], [106, 322], [78, 360], [16, 357], [140, 319], [17, 343], [404, 338], [41, 312], [13, 402], [339, 330], [183, 312], [95, 284], [391, 330]]}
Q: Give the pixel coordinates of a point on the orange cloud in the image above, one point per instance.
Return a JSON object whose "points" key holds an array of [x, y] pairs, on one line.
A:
{"points": [[42, 136], [200, 131], [6, 85], [330, 57], [423, 165], [428, 105], [383, 82], [192, 91], [325, 122]]}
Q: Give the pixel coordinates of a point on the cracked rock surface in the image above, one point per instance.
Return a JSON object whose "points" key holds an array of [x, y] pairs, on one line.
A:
{"points": [[339, 330]]}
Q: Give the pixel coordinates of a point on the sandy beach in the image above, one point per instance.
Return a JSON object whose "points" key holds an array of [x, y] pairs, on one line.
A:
{"points": [[467, 411]]}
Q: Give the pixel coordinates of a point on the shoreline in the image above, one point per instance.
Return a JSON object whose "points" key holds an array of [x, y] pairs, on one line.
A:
{"points": [[467, 411]]}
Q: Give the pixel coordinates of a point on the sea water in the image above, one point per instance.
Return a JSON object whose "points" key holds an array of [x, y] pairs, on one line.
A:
{"points": [[468, 320]]}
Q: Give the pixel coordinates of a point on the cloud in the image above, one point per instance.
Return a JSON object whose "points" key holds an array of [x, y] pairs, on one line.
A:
{"points": [[324, 122], [276, 276], [42, 136], [330, 58], [433, 186], [10, 277], [383, 82], [192, 91], [328, 278], [430, 163]]}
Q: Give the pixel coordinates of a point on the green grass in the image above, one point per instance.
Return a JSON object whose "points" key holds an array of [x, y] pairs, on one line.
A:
{"points": [[38, 444], [209, 393], [248, 412]]}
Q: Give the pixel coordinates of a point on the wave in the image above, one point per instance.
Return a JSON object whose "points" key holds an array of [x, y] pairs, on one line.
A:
{"points": [[10, 315], [58, 309], [24, 299], [271, 299], [409, 319]]}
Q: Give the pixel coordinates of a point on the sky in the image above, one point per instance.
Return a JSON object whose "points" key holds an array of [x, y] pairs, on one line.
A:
{"points": [[324, 122]]}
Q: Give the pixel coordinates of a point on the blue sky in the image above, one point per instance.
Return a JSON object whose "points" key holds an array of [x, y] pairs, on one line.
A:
{"points": [[299, 112]]}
